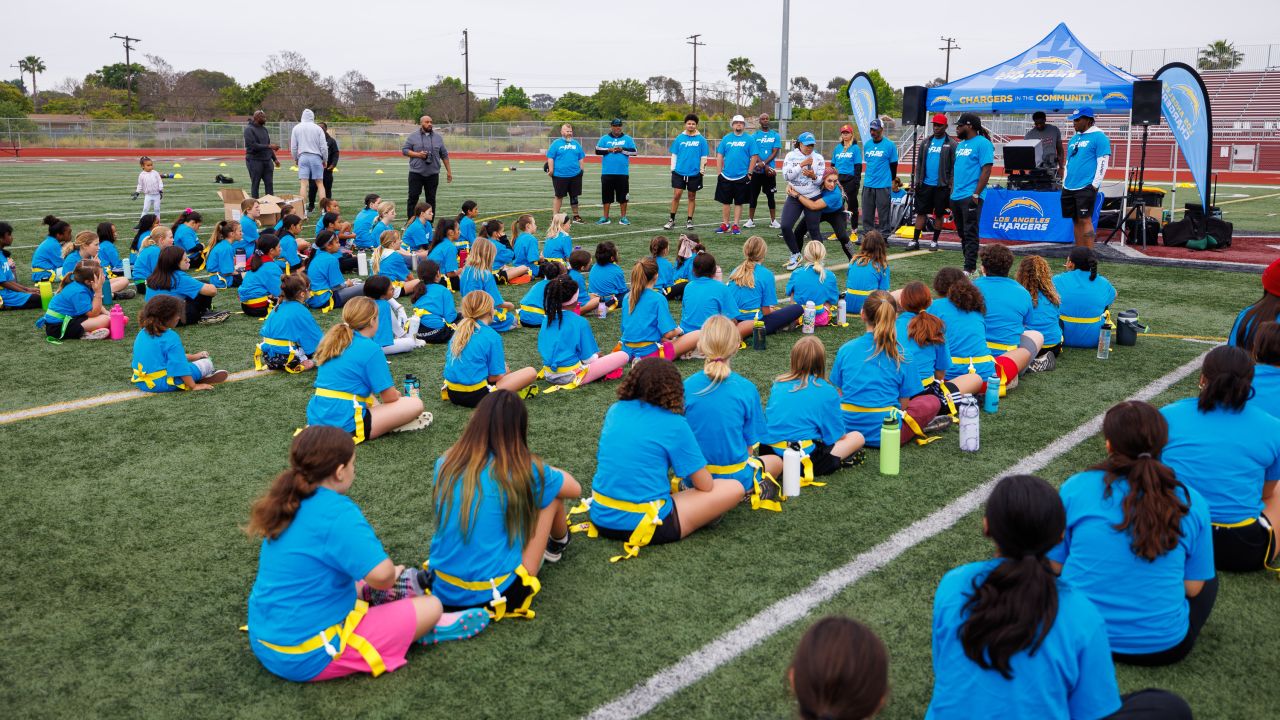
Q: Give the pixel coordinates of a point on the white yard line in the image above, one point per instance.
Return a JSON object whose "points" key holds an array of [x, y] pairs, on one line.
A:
{"points": [[98, 400]]}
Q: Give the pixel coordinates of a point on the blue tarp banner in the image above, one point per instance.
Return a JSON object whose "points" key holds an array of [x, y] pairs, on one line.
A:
{"points": [[1186, 107], [1056, 74], [1027, 216], [862, 98]]}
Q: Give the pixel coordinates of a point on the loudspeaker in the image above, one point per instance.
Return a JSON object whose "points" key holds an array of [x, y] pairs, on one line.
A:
{"points": [[913, 105], [1146, 102]]}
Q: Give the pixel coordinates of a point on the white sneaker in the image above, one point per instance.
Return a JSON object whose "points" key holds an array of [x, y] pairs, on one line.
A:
{"points": [[749, 223], [669, 224], [793, 262], [775, 224], [418, 423], [688, 224], [99, 334]]}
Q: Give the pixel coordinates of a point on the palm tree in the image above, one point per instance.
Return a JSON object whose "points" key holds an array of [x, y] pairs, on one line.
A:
{"points": [[740, 71], [32, 65], [1220, 55]]}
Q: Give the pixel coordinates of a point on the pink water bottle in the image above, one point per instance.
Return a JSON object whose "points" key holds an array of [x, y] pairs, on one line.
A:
{"points": [[117, 322]]}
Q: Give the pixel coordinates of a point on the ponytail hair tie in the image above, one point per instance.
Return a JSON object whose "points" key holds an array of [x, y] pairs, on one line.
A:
{"points": [[1144, 455], [719, 360]]}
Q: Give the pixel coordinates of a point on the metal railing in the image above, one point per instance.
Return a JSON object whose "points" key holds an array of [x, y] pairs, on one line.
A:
{"points": [[1146, 62]]}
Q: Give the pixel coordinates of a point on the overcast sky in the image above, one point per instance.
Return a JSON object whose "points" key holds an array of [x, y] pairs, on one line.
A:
{"points": [[555, 47]]}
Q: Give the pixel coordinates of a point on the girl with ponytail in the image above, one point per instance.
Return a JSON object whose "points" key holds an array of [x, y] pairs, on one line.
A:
{"points": [[569, 352], [444, 250], [726, 415], [292, 248], [87, 246], [876, 380], [382, 222], [804, 408], [1225, 446], [261, 285], [352, 372], [647, 326], [1012, 640], [220, 261], [186, 234], [475, 364], [921, 334], [659, 249], [1085, 296], [532, 313], [503, 252], [478, 275], [755, 291], [316, 547], [467, 224], [290, 334], [392, 262], [417, 233], [154, 241], [1138, 542], [868, 270], [76, 311], [813, 282], [47, 259], [171, 278], [559, 244], [528, 256], [108, 253], [433, 305]]}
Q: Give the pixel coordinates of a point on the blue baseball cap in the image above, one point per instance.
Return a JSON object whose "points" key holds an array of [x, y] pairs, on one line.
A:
{"points": [[876, 124], [806, 138], [1082, 112]]}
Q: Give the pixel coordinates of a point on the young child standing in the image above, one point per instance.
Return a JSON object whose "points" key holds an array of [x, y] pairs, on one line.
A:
{"points": [[433, 305], [570, 355], [397, 333], [804, 408], [261, 285], [290, 334], [868, 271], [160, 364], [475, 364], [150, 186], [608, 283], [477, 275]]}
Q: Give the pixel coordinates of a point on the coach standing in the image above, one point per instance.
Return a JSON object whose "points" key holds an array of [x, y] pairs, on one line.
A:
{"points": [[564, 165], [310, 152], [733, 156], [617, 148], [329, 166], [974, 156], [260, 153], [764, 173], [846, 156], [931, 180], [880, 157], [426, 152], [1088, 152]]}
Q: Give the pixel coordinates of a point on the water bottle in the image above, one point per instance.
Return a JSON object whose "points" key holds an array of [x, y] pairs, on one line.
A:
{"points": [[991, 400], [128, 268], [967, 406], [1104, 342], [842, 312], [810, 316], [362, 263], [792, 461], [46, 293], [117, 322], [240, 261], [602, 309], [890, 445], [758, 336], [412, 387]]}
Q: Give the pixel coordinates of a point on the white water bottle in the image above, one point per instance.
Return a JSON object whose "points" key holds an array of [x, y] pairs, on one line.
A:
{"points": [[362, 264], [791, 463], [810, 317], [842, 312], [602, 309], [128, 269], [967, 406]]}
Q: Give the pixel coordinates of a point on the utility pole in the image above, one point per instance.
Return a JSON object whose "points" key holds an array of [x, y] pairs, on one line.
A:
{"points": [[128, 65], [950, 46], [693, 40], [498, 82], [784, 97], [466, 70], [405, 90]]}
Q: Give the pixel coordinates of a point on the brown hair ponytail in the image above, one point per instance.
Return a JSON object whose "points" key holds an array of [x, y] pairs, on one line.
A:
{"points": [[879, 312], [314, 457], [925, 329]]}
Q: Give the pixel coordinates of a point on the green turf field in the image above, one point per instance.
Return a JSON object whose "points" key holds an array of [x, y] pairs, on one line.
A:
{"points": [[128, 575]]}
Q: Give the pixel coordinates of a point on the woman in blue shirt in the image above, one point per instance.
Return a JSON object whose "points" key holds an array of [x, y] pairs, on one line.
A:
{"points": [[475, 363], [570, 355], [830, 208], [804, 409], [499, 513], [1138, 542], [170, 278], [1035, 276], [353, 371], [645, 437], [1227, 448], [477, 275], [317, 548], [290, 334], [1010, 639], [704, 298], [606, 279], [76, 311], [647, 325], [47, 259], [1085, 296], [1266, 309], [755, 290], [160, 363], [433, 305], [814, 283]]}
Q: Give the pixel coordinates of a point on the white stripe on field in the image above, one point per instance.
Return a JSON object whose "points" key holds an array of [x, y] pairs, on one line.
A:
{"points": [[702, 662], [108, 399]]}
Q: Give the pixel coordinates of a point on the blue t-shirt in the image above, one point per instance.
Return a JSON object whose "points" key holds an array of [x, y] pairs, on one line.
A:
{"points": [[703, 298], [146, 263], [833, 198], [863, 279], [846, 159], [11, 298], [221, 260], [325, 274], [445, 254], [689, 151], [870, 379], [966, 338], [926, 360], [466, 231], [185, 237], [289, 250], [798, 413], [932, 159], [503, 254], [737, 151], [568, 157], [416, 235], [1070, 675], [1044, 320], [263, 281], [971, 156], [291, 321], [48, 258], [362, 370], [616, 163], [1083, 151], [385, 335], [530, 307], [644, 326], [73, 300], [752, 300], [375, 234], [1082, 299], [639, 444], [249, 235], [765, 142], [1266, 389], [1008, 310], [180, 285], [566, 342], [878, 156], [109, 256], [607, 279], [437, 301], [481, 359], [473, 279], [666, 274], [1144, 602], [306, 581], [393, 265], [154, 353], [526, 253], [485, 551], [362, 226], [1225, 456], [559, 248], [727, 418], [805, 285]]}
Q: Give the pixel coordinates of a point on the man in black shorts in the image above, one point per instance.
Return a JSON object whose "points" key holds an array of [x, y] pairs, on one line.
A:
{"points": [[931, 179], [1088, 154], [689, 153], [764, 172], [616, 150], [733, 156]]}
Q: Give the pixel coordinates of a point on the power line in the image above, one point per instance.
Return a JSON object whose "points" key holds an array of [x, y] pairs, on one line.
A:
{"points": [[950, 46], [498, 82], [127, 64], [693, 40], [466, 70]]}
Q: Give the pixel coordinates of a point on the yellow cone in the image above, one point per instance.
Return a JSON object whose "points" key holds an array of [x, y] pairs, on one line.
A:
{"points": [[378, 172], [521, 162], [488, 162], [1186, 185], [506, 169], [293, 168], [177, 165], [177, 176], [222, 164]]}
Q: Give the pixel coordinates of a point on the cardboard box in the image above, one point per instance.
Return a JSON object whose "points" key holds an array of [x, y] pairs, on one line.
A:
{"points": [[231, 199], [269, 206]]}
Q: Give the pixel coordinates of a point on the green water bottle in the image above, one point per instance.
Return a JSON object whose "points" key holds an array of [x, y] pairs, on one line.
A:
{"points": [[890, 445]]}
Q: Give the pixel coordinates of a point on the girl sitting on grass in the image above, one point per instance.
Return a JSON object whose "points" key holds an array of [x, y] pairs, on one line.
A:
{"points": [[960, 307], [1267, 309], [503, 252], [186, 234], [143, 229], [467, 224], [13, 294], [1034, 275], [261, 285], [755, 291], [88, 246], [531, 312], [559, 244], [382, 222], [290, 334], [607, 282], [840, 671], [704, 297], [155, 241], [814, 283], [579, 263], [433, 305], [647, 325], [570, 356], [444, 252], [475, 364], [392, 262], [804, 408], [477, 275], [46, 262], [75, 312], [922, 335], [417, 234], [1266, 369], [292, 249], [307, 622], [397, 333], [868, 270], [659, 248], [171, 278], [220, 261], [527, 256], [108, 253], [1085, 296], [324, 271], [160, 364]]}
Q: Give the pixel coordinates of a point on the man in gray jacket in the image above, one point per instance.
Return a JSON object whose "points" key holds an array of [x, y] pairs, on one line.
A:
{"points": [[260, 153], [310, 150], [931, 180], [426, 152]]}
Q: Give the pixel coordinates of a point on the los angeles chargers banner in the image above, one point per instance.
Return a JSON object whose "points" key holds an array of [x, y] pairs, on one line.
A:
{"points": [[1186, 107], [862, 98], [1027, 216]]}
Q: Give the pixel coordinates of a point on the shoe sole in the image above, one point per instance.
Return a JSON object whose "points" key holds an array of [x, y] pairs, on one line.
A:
{"points": [[471, 623], [218, 376]]}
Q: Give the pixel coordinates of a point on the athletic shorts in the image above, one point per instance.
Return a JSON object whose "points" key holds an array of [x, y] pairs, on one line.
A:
{"points": [[75, 328], [824, 463], [764, 182], [614, 188], [389, 628], [571, 186], [692, 183], [667, 532], [1006, 370], [1078, 204], [515, 593], [470, 398], [933, 200], [1242, 549], [733, 192], [310, 167]]}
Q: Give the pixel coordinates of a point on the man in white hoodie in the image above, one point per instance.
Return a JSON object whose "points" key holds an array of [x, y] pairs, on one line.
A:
{"points": [[310, 150]]}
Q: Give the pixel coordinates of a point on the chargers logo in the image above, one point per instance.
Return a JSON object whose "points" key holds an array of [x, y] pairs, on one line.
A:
{"points": [[1046, 60], [1021, 213], [1191, 97], [1114, 96], [941, 99], [1045, 66]]}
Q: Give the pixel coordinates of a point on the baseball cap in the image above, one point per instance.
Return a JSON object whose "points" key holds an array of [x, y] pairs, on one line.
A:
{"points": [[806, 138], [940, 119], [1271, 278], [970, 119], [738, 118], [876, 124], [846, 128], [616, 122], [1082, 112]]}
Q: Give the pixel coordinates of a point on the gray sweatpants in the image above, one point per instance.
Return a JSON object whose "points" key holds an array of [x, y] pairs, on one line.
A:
{"points": [[875, 203]]}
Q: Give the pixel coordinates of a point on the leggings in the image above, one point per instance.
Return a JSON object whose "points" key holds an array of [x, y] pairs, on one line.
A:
{"points": [[792, 211], [837, 222], [1151, 704], [407, 342], [196, 307], [782, 318]]}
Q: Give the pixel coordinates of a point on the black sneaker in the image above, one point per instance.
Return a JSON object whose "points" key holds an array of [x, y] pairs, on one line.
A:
{"points": [[770, 490], [555, 548], [938, 424], [1044, 363], [858, 457], [411, 583], [213, 318]]}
